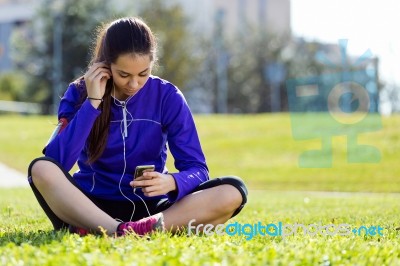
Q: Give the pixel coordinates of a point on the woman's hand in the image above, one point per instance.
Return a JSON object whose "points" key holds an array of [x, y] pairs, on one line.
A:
{"points": [[154, 183], [96, 79]]}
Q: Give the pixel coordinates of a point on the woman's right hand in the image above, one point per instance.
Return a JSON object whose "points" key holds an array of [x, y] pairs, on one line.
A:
{"points": [[96, 79]]}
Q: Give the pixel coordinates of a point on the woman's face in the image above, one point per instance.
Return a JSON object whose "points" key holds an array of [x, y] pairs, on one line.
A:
{"points": [[130, 72]]}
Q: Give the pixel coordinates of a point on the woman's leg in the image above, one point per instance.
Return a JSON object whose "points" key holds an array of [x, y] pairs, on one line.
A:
{"points": [[215, 204], [66, 201]]}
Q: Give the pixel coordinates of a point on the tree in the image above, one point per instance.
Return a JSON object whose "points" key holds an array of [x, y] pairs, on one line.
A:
{"points": [[33, 45], [12, 85], [178, 60], [249, 88]]}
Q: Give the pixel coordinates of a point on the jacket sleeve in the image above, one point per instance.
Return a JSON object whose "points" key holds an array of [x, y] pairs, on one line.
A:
{"points": [[184, 144], [69, 143]]}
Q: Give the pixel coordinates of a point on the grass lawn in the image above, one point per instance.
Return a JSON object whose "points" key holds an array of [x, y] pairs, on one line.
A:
{"points": [[259, 148], [26, 237]]}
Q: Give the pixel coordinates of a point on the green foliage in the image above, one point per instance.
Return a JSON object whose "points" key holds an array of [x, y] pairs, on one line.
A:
{"points": [[177, 60], [33, 45], [12, 86], [186, 58], [26, 236], [301, 60], [249, 90]]}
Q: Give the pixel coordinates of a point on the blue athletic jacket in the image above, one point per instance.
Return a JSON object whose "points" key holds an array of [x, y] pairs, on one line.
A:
{"points": [[156, 117]]}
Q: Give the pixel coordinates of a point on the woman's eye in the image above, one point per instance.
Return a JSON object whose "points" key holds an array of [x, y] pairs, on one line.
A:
{"points": [[123, 76], [143, 75]]}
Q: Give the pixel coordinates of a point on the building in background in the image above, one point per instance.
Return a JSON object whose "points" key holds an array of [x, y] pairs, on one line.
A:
{"points": [[13, 13], [238, 15], [241, 15]]}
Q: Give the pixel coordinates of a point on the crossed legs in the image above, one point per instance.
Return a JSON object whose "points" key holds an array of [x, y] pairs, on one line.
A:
{"points": [[213, 205]]}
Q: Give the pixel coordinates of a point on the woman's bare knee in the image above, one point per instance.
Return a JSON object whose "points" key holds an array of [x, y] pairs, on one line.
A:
{"points": [[228, 197], [43, 172], [233, 197]]}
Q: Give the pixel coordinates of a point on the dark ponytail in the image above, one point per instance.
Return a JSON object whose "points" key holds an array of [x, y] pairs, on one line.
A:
{"points": [[122, 36]]}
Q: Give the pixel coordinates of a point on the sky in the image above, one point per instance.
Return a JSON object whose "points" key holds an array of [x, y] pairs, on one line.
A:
{"points": [[367, 24]]}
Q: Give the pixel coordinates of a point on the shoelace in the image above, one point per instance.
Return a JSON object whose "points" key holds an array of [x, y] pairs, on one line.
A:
{"points": [[140, 227], [143, 226]]}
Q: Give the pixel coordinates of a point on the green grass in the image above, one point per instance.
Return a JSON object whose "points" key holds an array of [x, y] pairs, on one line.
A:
{"points": [[259, 148], [26, 237]]}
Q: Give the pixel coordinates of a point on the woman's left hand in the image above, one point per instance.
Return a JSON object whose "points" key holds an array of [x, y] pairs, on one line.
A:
{"points": [[154, 183]]}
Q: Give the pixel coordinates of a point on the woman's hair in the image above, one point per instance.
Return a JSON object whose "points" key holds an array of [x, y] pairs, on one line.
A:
{"points": [[122, 36]]}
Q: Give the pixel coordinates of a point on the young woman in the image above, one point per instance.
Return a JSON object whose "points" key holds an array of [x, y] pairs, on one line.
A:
{"points": [[113, 119]]}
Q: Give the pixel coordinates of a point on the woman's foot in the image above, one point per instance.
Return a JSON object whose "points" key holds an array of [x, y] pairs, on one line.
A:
{"points": [[143, 226]]}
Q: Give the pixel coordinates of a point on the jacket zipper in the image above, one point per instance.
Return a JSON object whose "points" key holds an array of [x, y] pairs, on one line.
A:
{"points": [[124, 117]]}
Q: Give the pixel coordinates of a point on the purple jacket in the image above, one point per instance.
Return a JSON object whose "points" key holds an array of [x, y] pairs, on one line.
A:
{"points": [[157, 117]]}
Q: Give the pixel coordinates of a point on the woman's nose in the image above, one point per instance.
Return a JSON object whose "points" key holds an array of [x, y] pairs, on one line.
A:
{"points": [[133, 83]]}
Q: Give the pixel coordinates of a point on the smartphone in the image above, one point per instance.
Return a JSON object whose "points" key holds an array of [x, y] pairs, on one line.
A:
{"points": [[141, 168]]}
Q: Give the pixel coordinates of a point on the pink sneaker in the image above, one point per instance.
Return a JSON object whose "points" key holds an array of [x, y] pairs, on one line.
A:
{"points": [[143, 226]]}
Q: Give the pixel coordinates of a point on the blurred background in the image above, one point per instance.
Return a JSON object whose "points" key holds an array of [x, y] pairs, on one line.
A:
{"points": [[227, 56]]}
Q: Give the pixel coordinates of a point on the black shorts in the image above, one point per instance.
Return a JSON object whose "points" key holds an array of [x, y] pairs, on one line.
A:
{"points": [[125, 210]]}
